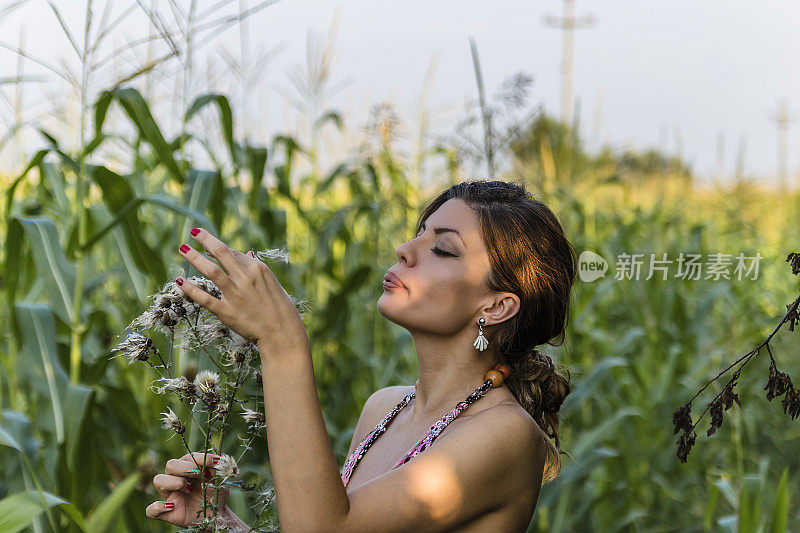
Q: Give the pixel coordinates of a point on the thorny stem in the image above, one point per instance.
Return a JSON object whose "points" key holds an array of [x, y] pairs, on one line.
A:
{"points": [[207, 435], [205, 455], [158, 353], [222, 431]]}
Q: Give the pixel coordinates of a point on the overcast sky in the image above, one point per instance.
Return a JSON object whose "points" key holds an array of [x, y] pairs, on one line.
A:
{"points": [[647, 74]]}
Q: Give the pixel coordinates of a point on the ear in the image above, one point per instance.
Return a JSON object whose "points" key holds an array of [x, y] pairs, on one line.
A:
{"points": [[503, 306]]}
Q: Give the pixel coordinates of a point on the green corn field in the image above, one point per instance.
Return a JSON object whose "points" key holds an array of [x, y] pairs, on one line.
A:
{"points": [[91, 227]]}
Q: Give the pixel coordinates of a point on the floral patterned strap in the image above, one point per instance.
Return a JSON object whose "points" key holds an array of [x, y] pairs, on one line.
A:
{"points": [[422, 444], [432, 433], [358, 453]]}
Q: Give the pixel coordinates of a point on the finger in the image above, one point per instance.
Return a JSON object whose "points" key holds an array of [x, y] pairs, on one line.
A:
{"points": [[166, 484], [219, 251], [201, 458], [158, 509], [200, 296], [206, 267], [192, 469]]}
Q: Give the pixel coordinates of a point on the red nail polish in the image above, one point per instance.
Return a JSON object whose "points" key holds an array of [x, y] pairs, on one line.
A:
{"points": [[184, 248], [189, 486], [179, 281], [215, 460], [195, 231], [169, 506]]}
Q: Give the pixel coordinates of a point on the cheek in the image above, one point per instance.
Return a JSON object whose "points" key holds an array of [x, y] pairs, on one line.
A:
{"points": [[445, 296]]}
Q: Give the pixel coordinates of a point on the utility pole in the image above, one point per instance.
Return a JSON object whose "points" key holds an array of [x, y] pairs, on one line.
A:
{"points": [[782, 118], [569, 23], [739, 174]]}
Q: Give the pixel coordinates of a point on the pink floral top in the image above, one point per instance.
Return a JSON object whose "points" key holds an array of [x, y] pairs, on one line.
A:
{"points": [[422, 444]]}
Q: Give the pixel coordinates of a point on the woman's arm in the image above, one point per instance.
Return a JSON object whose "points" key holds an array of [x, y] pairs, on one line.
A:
{"points": [[309, 491]]}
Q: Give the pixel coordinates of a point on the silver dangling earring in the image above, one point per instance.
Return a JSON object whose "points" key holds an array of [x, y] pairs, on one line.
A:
{"points": [[481, 342]]}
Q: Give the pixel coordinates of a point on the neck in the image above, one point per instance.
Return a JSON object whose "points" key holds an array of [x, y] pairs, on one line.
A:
{"points": [[446, 375]]}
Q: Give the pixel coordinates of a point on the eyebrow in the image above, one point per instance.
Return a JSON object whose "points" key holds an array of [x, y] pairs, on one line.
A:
{"points": [[439, 231]]}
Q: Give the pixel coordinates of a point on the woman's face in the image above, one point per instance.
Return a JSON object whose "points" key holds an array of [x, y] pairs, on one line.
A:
{"points": [[441, 293]]}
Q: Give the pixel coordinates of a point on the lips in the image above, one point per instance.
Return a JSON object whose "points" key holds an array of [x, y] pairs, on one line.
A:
{"points": [[392, 278]]}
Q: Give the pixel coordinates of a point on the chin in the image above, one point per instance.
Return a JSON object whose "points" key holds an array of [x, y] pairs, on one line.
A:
{"points": [[384, 308]]}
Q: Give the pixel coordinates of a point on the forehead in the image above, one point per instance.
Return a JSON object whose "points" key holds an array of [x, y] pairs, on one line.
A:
{"points": [[456, 214]]}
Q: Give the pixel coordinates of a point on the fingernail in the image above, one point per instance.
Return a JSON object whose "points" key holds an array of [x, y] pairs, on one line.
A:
{"points": [[215, 460], [185, 248], [169, 506], [195, 231], [191, 472], [189, 486], [179, 280]]}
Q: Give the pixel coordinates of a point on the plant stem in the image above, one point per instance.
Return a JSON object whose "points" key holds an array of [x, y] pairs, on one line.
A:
{"points": [[746, 357], [80, 185]]}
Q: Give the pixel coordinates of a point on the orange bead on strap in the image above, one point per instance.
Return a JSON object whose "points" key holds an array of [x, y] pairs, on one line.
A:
{"points": [[504, 369], [496, 376]]}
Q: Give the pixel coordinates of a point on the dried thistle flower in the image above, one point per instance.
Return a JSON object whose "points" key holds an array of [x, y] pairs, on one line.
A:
{"points": [[172, 310], [211, 332], [135, 347], [227, 467], [206, 285], [181, 385], [171, 421], [254, 418], [207, 383], [222, 409]]}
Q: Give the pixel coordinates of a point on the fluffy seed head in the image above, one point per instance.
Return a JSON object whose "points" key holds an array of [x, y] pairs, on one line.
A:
{"points": [[254, 418], [227, 466], [171, 421], [135, 347], [207, 382]]}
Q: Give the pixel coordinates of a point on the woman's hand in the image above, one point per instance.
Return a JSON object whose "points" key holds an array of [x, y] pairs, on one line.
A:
{"points": [[182, 490], [253, 303]]}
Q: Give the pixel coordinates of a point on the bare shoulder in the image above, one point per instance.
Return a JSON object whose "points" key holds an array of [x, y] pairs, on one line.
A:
{"points": [[477, 466], [519, 444], [515, 421]]}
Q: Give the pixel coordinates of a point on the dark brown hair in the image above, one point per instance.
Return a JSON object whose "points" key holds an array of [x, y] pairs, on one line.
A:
{"points": [[530, 257]]}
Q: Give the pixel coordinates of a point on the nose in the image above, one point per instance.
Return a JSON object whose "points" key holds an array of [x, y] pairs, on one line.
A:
{"points": [[404, 251]]}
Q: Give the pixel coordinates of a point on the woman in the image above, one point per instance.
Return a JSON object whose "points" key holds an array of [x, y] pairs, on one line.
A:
{"points": [[488, 263]]}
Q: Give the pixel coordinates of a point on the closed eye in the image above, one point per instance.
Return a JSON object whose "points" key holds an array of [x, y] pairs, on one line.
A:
{"points": [[439, 251], [436, 249]]}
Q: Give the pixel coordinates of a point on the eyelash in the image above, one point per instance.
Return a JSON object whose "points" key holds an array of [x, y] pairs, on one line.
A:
{"points": [[439, 251]]}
